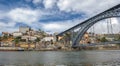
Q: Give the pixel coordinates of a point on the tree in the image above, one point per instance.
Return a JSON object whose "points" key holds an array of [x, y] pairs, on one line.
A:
{"points": [[42, 33], [37, 40], [103, 39], [5, 36], [118, 37], [17, 40], [0, 38], [51, 41]]}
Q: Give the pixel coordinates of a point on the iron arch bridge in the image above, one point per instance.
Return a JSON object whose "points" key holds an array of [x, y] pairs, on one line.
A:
{"points": [[85, 25]]}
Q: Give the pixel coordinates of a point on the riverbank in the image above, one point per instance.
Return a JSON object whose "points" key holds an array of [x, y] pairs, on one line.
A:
{"points": [[60, 49]]}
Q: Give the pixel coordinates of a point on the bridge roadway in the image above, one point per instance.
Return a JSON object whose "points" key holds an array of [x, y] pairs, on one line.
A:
{"points": [[101, 43]]}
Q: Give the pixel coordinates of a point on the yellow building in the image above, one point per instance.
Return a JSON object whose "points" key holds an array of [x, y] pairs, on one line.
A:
{"points": [[27, 46], [60, 37], [85, 39]]}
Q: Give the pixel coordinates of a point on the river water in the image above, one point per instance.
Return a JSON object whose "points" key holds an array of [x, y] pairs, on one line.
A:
{"points": [[61, 58]]}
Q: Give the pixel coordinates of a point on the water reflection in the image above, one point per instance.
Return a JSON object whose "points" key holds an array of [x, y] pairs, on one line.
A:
{"points": [[61, 58]]}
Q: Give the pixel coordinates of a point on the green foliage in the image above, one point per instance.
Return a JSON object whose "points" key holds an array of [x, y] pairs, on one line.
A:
{"points": [[103, 39], [118, 44], [42, 33], [40, 30], [0, 38], [118, 37], [51, 41], [37, 40], [5, 36], [18, 37], [17, 40]]}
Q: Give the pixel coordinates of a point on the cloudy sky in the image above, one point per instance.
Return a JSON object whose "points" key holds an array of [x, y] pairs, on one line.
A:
{"points": [[49, 15]]}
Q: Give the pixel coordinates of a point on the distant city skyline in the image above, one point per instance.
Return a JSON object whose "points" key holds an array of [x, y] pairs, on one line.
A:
{"points": [[52, 15]]}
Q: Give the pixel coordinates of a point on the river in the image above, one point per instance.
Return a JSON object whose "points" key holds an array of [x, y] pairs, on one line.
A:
{"points": [[60, 58]]}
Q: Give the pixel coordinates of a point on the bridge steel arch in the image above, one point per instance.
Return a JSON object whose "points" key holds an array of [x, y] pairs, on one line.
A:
{"points": [[84, 26]]}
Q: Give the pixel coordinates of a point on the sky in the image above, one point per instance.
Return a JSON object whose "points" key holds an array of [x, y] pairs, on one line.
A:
{"points": [[50, 15]]}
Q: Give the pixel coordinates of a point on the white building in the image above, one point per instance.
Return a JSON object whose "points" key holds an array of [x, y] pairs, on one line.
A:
{"points": [[5, 33], [25, 37], [31, 32], [48, 39], [24, 29], [32, 38], [16, 34]]}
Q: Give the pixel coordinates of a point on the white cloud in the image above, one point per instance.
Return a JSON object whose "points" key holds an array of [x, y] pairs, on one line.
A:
{"points": [[89, 7], [23, 15], [10, 24], [59, 26], [3, 15], [49, 3], [26, 16], [18, 15], [52, 26], [10, 27], [114, 21]]}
